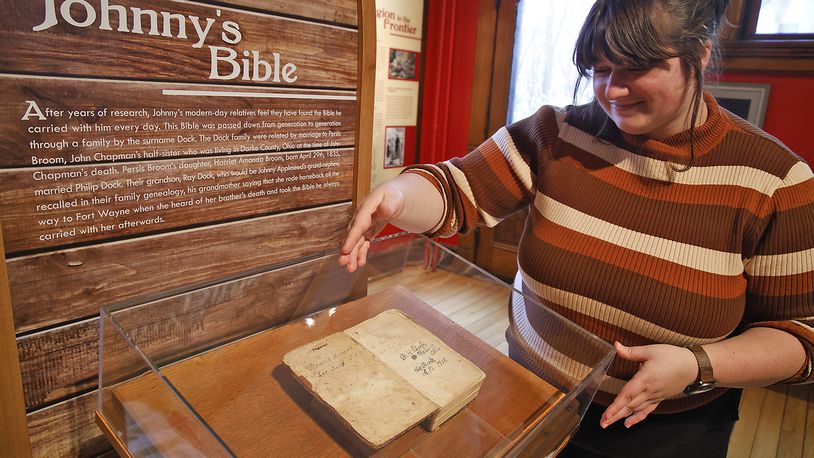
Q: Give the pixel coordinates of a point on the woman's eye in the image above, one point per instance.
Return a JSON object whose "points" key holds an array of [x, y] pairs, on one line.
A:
{"points": [[601, 70]]}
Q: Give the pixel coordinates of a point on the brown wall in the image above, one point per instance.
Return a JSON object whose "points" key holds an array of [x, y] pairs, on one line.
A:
{"points": [[139, 156]]}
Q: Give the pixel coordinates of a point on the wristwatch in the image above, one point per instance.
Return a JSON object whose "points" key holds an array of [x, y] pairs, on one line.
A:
{"points": [[705, 380]]}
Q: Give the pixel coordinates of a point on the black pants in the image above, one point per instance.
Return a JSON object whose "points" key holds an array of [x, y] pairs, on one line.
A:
{"points": [[700, 433]]}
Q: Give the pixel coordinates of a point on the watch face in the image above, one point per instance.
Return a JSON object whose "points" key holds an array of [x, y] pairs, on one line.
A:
{"points": [[699, 387]]}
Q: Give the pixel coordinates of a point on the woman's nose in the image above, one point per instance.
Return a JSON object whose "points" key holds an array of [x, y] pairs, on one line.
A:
{"points": [[616, 86]]}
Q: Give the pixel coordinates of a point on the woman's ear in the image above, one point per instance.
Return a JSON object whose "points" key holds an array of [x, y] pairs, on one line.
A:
{"points": [[706, 55]]}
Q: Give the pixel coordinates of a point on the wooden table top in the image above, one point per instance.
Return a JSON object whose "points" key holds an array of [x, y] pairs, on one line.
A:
{"points": [[252, 401]]}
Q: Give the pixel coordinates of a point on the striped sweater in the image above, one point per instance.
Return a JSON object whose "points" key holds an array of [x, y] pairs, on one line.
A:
{"points": [[627, 247]]}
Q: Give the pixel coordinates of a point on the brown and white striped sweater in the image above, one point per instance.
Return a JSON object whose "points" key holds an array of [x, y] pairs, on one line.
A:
{"points": [[632, 250]]}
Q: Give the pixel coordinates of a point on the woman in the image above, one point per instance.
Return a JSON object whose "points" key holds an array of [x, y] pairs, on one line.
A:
{"points": [[658, 221]]}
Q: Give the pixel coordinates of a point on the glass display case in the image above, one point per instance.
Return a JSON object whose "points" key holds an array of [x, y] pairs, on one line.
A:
{"points": [[199, 371]]}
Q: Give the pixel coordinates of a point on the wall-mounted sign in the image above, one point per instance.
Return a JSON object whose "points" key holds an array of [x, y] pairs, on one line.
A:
{"points": [[127, 118], [398, 58]]}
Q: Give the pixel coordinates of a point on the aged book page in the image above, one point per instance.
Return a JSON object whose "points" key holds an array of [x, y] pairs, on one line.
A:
{"points": [[385, 375], [441, 374], [369, 397]]}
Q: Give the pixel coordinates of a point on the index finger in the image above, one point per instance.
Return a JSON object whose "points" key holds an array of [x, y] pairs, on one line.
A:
{"points": [[361, 222]]}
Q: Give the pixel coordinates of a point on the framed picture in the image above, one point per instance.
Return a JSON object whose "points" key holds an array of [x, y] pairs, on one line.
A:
{"points": [[747, 100], [403, 65], [394, 146]]}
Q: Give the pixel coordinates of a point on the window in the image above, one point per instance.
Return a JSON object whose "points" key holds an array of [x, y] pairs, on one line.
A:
{"points": [[769, 36], [785, 17], [543, 72]]}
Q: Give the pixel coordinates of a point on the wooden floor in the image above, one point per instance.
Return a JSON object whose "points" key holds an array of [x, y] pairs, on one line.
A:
{"points": [[776, 422], [478, 306]]}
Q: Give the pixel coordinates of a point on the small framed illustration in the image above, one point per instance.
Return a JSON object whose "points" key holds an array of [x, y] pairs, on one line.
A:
{"points": [[403, 65], [394, 146], [747, 100]]}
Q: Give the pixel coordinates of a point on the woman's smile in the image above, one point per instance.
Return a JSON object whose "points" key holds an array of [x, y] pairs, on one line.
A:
{"points": [[625, 106]]}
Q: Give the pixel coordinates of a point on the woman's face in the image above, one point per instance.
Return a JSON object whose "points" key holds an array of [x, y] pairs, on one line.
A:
{"points": [[655, 102]]}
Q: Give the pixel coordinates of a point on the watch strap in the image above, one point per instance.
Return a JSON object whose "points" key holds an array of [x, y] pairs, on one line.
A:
{"points": [[704, 364]]}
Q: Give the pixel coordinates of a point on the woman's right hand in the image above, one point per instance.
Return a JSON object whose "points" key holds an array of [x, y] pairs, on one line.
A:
{"points": [[381, 206]]}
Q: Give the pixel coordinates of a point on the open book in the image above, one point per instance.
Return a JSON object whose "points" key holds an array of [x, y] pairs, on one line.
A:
{"points": [[385, 375]]}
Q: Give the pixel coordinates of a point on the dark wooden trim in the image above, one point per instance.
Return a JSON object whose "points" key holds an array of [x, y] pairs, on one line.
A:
{"points": [[494, 51], [468, 244], [365, 91], [729, 29], [749, 19], [743, 51], [13, 428], [797, 66], [502, 65], [482, 82]]}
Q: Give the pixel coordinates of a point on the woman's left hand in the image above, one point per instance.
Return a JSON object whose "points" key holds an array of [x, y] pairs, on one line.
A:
{"points": [[664, 372]]}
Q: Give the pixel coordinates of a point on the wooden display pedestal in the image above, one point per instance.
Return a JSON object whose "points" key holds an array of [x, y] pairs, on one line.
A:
{"points": [[256, 408]]}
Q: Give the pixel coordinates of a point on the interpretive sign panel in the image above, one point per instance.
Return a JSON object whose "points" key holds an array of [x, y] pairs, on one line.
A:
{"points": [[59, 205], [52, 125], [103, 159], [398, 79], [151, 143]]}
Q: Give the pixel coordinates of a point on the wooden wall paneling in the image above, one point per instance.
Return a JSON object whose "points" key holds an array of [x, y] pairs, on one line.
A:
{"points": [[324, 55], [67, 285], [330, 11], [61, 362], [13, 431], [334, 11], [67, 429]]}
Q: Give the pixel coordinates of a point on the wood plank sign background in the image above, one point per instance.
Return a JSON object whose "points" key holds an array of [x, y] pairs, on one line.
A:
{"points": [[149, 144]]}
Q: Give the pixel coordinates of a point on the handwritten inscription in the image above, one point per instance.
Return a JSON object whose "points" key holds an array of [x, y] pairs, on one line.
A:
{"points": [[336, 357], [423, 354], [419, 349]]}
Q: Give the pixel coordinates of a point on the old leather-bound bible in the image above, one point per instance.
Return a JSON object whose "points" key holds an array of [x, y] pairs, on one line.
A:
{"points": [[385, 375]]}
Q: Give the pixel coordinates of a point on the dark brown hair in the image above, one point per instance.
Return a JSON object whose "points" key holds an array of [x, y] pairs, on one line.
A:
{"points": [[641, 33]]}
